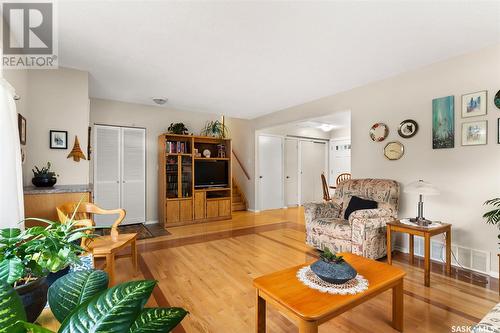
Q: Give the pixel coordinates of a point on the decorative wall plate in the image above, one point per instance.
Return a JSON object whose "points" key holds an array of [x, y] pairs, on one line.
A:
{"points": [[394, 150], [378, 132], [496, 100], [408, 128], [207, 153]]}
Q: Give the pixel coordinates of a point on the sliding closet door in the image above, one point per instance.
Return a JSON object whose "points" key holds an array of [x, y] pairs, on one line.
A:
{"points": [[107, 173], [134, 174], [312, 164]]}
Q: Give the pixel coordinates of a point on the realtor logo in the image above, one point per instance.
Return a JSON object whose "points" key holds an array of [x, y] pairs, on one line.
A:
{"points": [[28, 35]]}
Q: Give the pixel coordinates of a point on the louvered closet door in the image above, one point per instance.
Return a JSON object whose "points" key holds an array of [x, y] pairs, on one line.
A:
{"points": [[107, 173], [134, 174]]}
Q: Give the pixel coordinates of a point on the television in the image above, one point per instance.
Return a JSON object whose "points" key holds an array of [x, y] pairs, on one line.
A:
{"points": [[211, 173]]}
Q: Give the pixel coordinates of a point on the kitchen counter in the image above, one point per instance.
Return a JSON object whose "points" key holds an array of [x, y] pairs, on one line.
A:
{"points": [[58, 189]]}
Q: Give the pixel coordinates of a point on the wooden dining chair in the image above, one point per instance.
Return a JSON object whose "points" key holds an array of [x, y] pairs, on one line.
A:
{"points": [[103, 246], [326, 191], [342, 177]]}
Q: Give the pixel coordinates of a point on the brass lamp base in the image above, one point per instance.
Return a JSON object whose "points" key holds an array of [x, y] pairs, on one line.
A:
{"points": [[423, 222]]}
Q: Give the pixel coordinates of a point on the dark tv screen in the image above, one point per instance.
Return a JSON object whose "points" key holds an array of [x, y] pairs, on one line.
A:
{"points": [[210, 173]]}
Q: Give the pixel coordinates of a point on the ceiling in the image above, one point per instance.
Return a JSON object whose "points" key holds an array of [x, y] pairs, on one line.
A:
{"points": [[247, 59]]}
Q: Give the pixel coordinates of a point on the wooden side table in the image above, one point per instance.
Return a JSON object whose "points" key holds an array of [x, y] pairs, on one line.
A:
{"points": [[426, 233]]}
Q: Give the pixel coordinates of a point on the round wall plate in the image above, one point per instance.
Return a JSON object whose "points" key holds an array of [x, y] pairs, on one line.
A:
{"points": [[394, 150], [206, 153], [378, 132], [496, 100], [408, 128]]}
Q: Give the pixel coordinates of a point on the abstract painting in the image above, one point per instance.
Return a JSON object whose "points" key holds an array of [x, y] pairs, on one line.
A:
{"points": [[443, 122], [474, 133], [474, 104]]}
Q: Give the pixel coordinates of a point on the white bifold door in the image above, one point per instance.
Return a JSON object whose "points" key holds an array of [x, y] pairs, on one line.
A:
{"points": [[291, 172], [313, 162], [120, 172]]}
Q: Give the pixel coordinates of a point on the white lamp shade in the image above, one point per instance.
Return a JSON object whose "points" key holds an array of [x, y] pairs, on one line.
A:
{"points": [[421, 187]]}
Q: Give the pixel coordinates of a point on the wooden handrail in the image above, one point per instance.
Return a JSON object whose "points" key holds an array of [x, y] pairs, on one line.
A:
{"points": [[241, 165]]}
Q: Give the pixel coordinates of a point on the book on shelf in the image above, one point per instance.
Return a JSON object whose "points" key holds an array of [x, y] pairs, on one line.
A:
{"points": [[176, 147]]}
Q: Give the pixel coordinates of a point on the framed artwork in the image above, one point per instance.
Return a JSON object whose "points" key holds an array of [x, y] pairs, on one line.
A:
{"points": [[58, 139], [496, 100], [474, 104], [498, 130], [475, 133], [21, 124], [408, 128], [443, 122], [378, 132]]}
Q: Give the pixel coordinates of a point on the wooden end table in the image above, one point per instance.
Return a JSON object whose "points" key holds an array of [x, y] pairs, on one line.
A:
{"points": [[426, 233], [309, 308]]}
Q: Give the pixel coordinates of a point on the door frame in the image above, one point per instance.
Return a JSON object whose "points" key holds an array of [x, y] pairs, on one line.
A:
{"points": [[94, 163], [257, 168]]}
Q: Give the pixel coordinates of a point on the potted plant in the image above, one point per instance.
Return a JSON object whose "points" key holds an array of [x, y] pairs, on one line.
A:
{"points": [[30, 258], [332, 268], [216, 129], [493, 216], [82, 302], [177, 128], [44, 177]]}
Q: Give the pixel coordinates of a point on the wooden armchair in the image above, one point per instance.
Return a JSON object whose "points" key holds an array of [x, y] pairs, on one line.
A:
{"points": [[102, 246]]}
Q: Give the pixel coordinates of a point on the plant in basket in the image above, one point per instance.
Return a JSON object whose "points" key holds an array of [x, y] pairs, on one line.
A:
{"points": [[44, 177]]}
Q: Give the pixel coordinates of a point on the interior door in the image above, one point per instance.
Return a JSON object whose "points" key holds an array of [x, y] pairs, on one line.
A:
{"points": [[340, 158], [270, 172], [312, 164], [107, 173], [133, 174], [291, 172]]}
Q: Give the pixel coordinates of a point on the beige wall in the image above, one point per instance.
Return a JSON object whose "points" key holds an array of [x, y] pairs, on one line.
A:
{"points": [[156, 121], [466, 176], [293, 129], [53, 99]]}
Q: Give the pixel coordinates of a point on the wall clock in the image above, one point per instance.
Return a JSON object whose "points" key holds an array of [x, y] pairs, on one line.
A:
{"points": [[378, 132], [394, 150], [408, 128]]}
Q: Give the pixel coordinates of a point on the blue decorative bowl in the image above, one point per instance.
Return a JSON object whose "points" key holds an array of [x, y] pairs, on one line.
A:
{"points": [[333, 273]]}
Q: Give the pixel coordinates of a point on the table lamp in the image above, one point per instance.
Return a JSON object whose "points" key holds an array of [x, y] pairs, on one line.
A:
{"points": [[421, 188]]}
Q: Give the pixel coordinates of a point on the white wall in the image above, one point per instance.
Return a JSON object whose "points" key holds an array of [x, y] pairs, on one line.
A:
{"points": [[466, 176], [55, 99], [156, 121], [293, 129]]}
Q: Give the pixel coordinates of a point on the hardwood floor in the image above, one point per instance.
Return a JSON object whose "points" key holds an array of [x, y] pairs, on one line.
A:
{"points": [[208, 269]]}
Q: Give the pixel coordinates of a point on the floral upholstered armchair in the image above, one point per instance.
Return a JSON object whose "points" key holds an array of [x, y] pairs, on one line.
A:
{"points": [[364, 232]]}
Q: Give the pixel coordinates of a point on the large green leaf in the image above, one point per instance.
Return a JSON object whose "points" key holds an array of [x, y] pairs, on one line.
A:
{"points": [[158, 320], [11, 309], [11, 270], [112, 311], [31, 328], [74, 289]]}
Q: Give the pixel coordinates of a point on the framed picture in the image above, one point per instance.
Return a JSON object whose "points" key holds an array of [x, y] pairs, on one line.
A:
{"points": [[443, 122], [21, 124], [475, 133], [496, 100], [58, 139], [498, 130], [474, 104]]}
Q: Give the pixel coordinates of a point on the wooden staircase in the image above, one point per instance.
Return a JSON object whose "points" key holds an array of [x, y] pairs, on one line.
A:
{"points": [[239, 200]]}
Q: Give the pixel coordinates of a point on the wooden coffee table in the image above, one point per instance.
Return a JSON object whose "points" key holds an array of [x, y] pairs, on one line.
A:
{"points": [[309, 308]]}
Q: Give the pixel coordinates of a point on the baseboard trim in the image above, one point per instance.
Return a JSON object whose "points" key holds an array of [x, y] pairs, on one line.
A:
{"points": [[151, 222]]}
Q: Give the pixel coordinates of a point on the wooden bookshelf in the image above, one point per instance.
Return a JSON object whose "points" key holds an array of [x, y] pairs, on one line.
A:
{"points": [[179, 202]]}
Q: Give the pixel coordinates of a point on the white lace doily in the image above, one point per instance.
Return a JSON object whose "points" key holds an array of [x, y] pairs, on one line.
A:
{"points": [[351, 287]]}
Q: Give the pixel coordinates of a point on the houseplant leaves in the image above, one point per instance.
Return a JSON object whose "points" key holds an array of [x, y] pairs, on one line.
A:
{"points": [[11, 270], [11, 309], [112, 311], [158, 320], [71, 290]]}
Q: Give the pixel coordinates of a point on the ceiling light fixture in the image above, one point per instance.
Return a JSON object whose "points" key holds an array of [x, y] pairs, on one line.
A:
{"points": [[160, 100]]}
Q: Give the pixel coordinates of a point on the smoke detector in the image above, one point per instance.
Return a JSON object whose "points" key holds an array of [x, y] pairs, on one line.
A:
{"points": [[160, 100]]}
